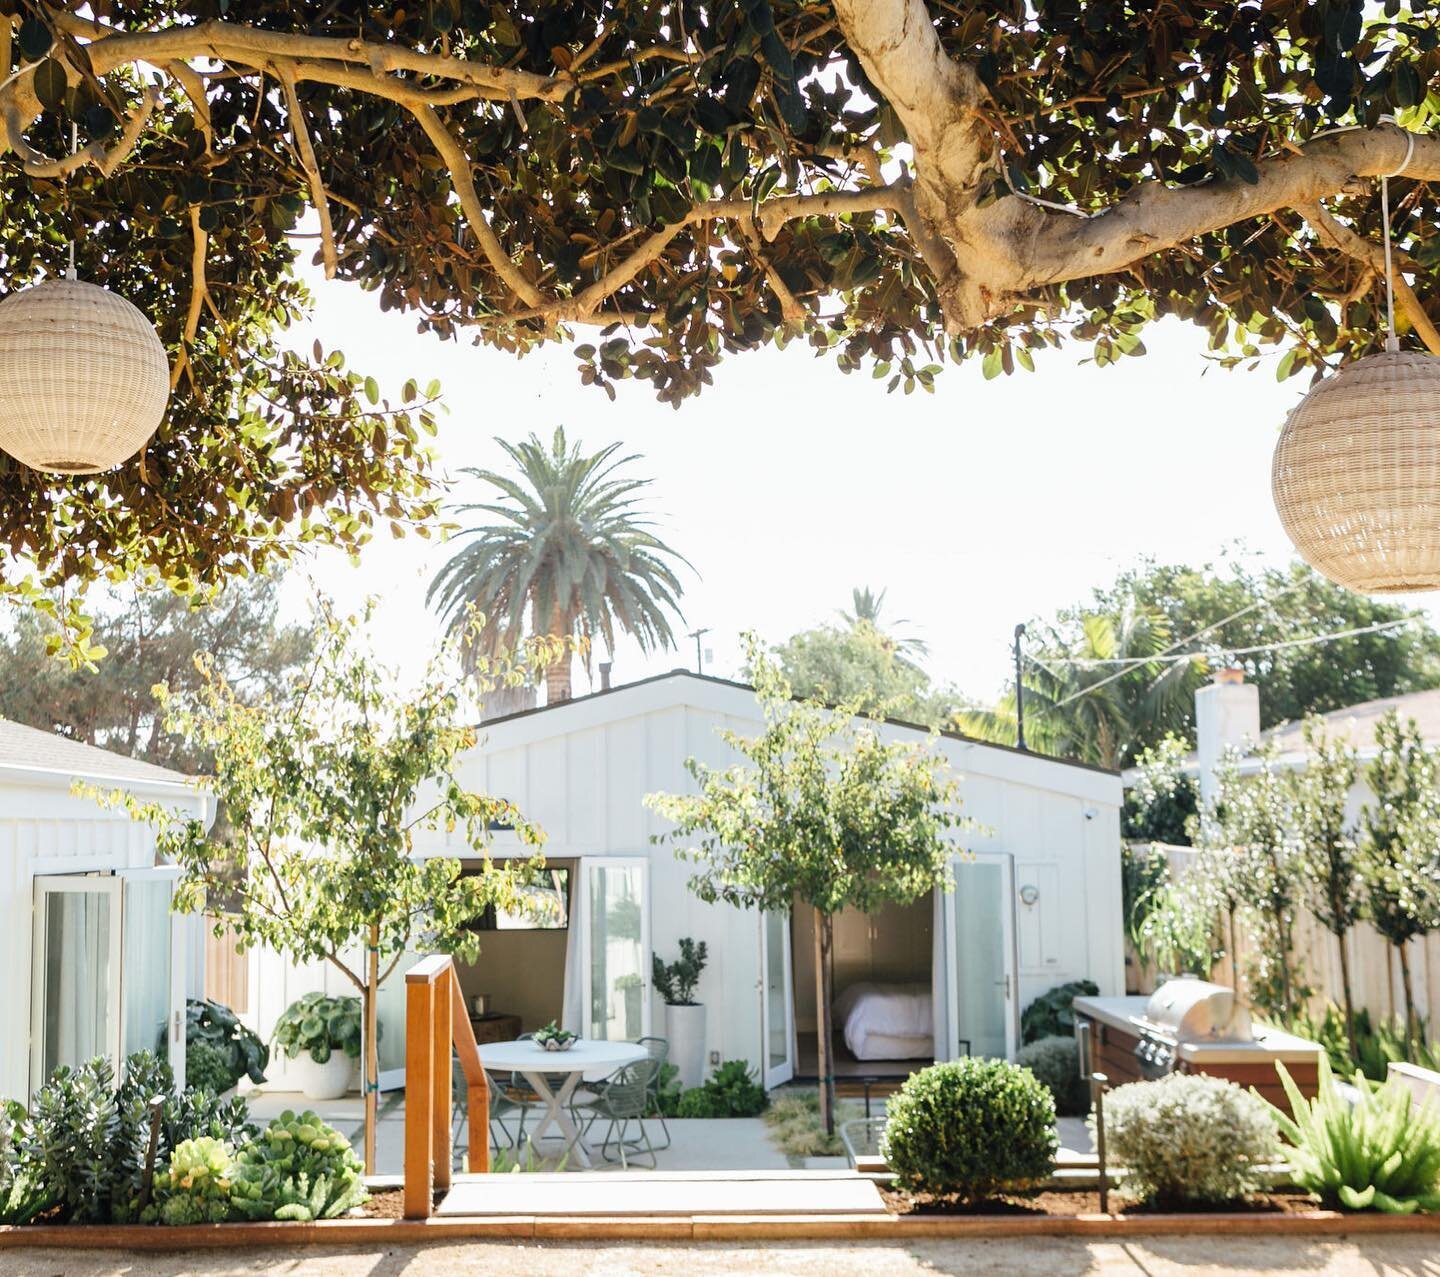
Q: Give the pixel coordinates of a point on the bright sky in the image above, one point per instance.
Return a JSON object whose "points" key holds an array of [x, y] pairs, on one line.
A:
{"points": [[786, 482]]}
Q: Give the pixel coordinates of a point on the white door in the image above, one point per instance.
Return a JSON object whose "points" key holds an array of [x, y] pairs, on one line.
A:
{"points": [[153, 963], [777, 1000], [615, 958], [75, 973], [981, 964]]}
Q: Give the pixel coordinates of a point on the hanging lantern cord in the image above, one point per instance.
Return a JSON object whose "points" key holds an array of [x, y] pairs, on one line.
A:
{"points": [[70, 204], [1392, 342]]}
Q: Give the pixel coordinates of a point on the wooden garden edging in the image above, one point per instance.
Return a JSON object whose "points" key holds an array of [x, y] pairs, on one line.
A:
{"points": [[435, 1019], [739, 1228]]}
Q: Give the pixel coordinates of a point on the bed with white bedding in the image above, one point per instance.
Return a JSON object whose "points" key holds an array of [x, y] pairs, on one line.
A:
{"points": [[887, 1021]]}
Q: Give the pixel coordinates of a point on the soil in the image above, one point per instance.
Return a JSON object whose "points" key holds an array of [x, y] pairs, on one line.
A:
{"points": [[1069, 1204], [389, 1204]]}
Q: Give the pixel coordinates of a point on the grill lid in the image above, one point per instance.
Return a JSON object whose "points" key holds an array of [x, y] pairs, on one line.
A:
{"points": [[1192, 1010]]}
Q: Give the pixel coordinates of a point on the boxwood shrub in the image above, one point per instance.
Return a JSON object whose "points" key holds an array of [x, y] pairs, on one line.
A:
{"points": [[1056, 1062], [971, 1128]]}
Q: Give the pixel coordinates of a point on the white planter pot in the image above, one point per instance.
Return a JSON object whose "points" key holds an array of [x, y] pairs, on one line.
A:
{"points": [[685, 1027], [328, 1081]]}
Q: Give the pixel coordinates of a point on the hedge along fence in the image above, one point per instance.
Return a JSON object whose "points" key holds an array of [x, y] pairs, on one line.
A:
{"points": [[1374, 969]]}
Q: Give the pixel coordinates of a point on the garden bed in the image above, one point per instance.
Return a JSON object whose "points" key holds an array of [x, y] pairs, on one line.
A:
{"points": [[1061, 1204]]}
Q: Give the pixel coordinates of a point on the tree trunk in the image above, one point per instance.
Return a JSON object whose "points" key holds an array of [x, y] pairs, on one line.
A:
{"points": [[1409, 987], [557, 673], [371, 1070], [823, 1028], [1349, 999]]}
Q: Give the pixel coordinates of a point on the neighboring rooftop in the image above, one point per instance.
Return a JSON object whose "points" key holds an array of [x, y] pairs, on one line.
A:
{"points": [[31, 749], [1355, 724]]}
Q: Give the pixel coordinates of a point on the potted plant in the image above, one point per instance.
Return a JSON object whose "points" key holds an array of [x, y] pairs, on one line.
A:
{"points": [[219, 1050], [684, 1017], [322, 1034]]}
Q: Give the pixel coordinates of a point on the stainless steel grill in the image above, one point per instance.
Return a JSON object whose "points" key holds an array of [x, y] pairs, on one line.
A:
{"points": [[1183, 1011]]}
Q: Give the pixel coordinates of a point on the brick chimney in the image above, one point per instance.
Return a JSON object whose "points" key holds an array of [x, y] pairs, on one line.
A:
{"points": [[1227, 713]]}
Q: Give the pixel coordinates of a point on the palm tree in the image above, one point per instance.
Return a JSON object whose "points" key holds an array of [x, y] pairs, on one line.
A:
{"points": [[866, 607], [1079, 706], [564, 542]]}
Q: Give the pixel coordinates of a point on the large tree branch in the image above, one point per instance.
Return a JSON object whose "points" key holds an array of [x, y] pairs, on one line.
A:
{"points": [[1329, 228], [305, 148], [1154, 217]]}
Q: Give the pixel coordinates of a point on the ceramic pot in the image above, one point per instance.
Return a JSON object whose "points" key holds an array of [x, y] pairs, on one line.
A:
{"points": [[685, 1027], [328, 1081]]}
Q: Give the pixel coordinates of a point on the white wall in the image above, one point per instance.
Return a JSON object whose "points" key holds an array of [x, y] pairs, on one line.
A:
{"points": [[45, 829]]}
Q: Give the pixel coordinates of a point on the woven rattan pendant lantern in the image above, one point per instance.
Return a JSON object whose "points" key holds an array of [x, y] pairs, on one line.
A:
{"points": [[1356, 473], [83, 378]]}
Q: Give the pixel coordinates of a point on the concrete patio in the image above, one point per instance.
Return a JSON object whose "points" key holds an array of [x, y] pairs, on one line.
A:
{"points": [[721, 1144]]}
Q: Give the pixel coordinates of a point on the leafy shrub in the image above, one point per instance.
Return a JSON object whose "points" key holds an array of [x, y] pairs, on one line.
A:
{"points": [[1378, 1154], [207, 1068], [66, 1142], [970, 1127], [195, 1187], [730, 1092], [1188, 1137], [676, 981], [21, 1197], [214, 1025], [1052, 1014], [319, 1025], [667, 1091], [1056, 1062], [300, 1168], [1376, 1047], [698, 1102]]}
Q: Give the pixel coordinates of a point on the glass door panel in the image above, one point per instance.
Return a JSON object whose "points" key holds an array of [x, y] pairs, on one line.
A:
{"points": [[777, 999], [617, 950], [983, 1015], [152, 973], [75, 1005]]}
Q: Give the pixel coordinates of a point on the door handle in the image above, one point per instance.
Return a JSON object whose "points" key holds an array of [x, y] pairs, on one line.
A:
{"points": [[1005, 983], [176, 1029]]}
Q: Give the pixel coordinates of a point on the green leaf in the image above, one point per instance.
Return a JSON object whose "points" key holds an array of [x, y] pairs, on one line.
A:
{"points": [[34, 40], [50, 84], [372, 390]]}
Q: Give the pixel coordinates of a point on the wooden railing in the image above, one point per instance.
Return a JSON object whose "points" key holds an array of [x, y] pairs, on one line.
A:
{"points": [[436, 1020]]}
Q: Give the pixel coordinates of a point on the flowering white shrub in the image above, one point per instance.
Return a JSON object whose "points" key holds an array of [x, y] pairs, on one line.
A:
{"points": [[1188, 1137]]}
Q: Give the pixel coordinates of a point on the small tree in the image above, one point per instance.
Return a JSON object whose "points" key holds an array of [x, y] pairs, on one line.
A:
{"points": [[1252, 817], [1328, 855], [822, 813], [1399, 862], [323, 790]]}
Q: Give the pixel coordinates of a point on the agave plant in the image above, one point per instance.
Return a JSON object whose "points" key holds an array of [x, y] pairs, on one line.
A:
{"points": [[1380, 1153]]}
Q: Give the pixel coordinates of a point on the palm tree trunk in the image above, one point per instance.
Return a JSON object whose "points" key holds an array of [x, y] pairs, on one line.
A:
{"points": [[557, 673]]}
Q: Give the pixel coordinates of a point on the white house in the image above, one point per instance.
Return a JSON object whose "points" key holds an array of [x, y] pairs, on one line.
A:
{"points": [[95, 963], [1038, 905]]}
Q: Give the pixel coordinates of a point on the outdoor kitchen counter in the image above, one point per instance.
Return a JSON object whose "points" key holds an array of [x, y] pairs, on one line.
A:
{"points": [[1127, 1015]]}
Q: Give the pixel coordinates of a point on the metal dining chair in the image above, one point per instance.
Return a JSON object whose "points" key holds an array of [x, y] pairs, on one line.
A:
{"points": [[659, 1051], [624, 1098]]}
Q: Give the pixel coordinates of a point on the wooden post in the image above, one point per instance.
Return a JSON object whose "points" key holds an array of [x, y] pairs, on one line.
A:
{"points": [[441, 1100], [419, 1079]]}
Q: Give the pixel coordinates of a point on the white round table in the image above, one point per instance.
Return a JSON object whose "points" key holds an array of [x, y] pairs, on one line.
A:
{"points": [[588, 1058]]}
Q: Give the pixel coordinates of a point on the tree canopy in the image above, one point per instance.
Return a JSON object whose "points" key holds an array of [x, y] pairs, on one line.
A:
{"points": [[896, 183], [1159, 614], [149, 638]]}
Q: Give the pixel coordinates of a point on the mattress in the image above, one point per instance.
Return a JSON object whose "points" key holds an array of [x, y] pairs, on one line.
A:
{"points": [[887, 1021]]}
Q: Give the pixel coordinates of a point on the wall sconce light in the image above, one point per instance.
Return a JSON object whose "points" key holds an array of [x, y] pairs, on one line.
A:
{"points": [[1029, 894]]}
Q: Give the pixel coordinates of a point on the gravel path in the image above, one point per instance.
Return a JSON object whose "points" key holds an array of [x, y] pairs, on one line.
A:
{"points": [[1408, 1256]]}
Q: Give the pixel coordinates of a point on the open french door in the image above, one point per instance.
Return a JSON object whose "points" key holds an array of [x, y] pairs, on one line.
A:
{"points": [[777, 1001], [107, 970], [615, 958], [981, 965]]}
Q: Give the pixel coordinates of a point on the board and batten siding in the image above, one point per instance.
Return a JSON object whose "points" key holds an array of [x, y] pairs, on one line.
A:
{"points": [[46, 829]]}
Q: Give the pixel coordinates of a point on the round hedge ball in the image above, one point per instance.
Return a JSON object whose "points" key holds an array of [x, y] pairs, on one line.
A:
{"points": [[970, 1128], [1056, 1062]]}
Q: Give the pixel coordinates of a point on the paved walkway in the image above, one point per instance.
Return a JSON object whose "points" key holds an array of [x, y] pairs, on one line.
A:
{"points": [[1413, 1256]]}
